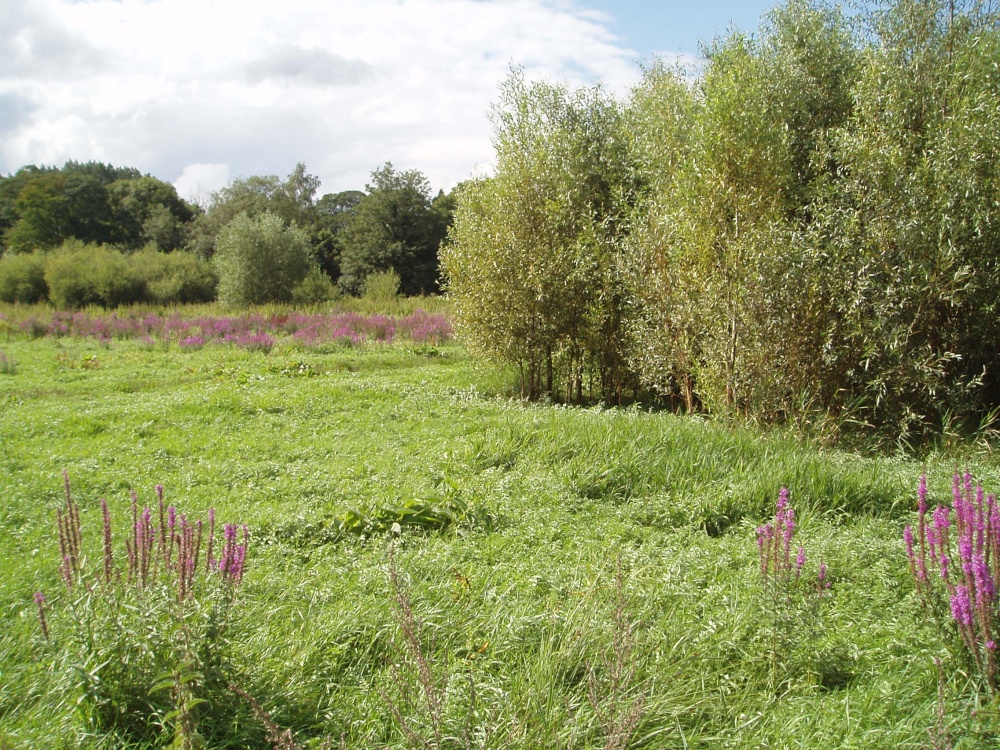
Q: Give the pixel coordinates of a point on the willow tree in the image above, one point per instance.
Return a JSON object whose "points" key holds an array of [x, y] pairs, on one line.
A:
{"points": [[531, 262], [913, 220], [728, 291]]}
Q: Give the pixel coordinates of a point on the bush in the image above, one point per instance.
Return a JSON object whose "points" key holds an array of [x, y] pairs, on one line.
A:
{"points": [[315, 288], [260, 260], [22, 279], [79, 275], [382, 287], [174, 278]]}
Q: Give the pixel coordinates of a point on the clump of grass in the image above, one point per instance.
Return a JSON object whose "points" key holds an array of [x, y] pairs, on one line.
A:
{"points": [[8, 365], [430, 709], [420, 712], [617, 703], [147, 630]]}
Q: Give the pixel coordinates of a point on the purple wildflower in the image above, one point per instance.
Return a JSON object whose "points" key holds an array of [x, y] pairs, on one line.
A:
{"points": [[209, 559], [942, 518], [108, 560], [961, 607], [985, 587]]}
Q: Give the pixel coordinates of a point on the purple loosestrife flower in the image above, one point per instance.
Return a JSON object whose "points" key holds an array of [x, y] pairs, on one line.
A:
{"points": [[979, 521], [236, 569], [933, 541], [942, 518], [992, 519], [209, 559], [985, 586], [228, 548], [821, 583], [171, 528], [782, 498], [108, 559], [164, 549], [942, 522], [961, 607], [787, 525], [66, 571], [800, 560], [965, 556]]}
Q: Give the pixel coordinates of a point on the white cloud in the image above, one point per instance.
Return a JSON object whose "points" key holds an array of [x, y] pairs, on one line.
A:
{"points": [[198, 181], [187, 87]]}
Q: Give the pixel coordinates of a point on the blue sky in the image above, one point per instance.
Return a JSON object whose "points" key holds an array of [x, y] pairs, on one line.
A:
{"points": [[649, 26], [199, 92]]}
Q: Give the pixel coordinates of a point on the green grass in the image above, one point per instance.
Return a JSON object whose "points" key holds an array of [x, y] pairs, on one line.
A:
{"points": [[515, 602]]}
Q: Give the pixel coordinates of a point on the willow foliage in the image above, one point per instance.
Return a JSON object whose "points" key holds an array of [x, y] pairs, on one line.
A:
{"points": [[807, 226], [531, 261]]}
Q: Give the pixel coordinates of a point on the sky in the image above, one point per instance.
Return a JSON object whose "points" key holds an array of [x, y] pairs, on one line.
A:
{"points": [[200, 92]]}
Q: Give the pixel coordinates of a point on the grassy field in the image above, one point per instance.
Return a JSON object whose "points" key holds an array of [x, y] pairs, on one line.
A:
{"points": [[434, 564]]}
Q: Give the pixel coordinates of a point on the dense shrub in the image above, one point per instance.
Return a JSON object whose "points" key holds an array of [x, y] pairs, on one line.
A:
{"points": [[805, 230], [382, 286], [260, 260], [532, 262], [316, 287], [174, 278], [22, 279], [79, 275]]}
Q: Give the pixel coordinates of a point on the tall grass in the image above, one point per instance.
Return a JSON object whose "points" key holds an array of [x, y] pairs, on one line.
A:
{"points": [[601, 586]]}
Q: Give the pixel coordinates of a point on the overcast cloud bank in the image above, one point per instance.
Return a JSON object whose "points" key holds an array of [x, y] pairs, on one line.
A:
{"points": [[198, 92]]}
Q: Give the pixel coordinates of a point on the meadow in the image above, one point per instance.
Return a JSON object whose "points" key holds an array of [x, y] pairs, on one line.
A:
{"points": [[435, 563]]}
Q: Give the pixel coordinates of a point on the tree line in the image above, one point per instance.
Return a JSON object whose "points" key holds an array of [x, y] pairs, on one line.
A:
{"points": [[69, 235], [805, 229]]}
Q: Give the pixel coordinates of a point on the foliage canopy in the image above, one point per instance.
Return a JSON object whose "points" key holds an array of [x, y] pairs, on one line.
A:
{"points": [[805, 229]]}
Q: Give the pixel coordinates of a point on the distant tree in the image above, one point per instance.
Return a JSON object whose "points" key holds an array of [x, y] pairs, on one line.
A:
{"points": [[331, 214], [147, 210], [393, 226], [42, 215], [40, 208], [260, 259], [10, 188], [290, 200]]}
